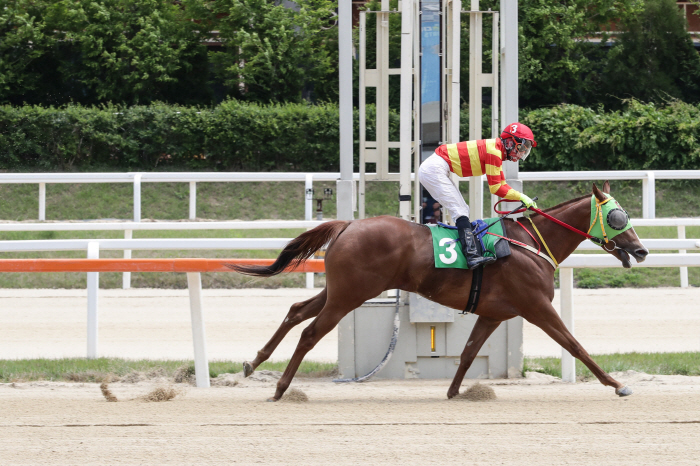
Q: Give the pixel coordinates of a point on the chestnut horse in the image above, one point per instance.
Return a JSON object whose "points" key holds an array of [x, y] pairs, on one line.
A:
{"points": [[367, 257]]}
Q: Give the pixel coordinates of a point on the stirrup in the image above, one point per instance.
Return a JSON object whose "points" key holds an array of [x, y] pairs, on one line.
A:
{"points": [[478, 260], [471, 247]]}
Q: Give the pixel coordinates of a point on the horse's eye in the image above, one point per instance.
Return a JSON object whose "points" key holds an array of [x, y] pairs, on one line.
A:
{"points": [[617, 219]]}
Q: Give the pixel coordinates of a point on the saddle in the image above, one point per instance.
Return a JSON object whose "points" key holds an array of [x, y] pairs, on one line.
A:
{"points": [[446, 248], [448, 251]]}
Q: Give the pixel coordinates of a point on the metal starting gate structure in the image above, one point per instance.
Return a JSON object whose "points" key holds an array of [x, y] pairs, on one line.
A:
{"points": [[431, 337]]}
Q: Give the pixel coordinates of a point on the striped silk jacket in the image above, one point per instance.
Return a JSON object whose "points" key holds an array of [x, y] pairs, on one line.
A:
{"points": [[474, 158]]}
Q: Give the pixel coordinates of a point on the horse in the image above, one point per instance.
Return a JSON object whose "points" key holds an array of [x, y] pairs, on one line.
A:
{"points": [[366, 257]]}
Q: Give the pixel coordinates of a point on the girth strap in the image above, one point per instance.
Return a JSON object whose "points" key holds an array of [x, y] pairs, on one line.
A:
{"points": [[529, 248], [475, 291]]}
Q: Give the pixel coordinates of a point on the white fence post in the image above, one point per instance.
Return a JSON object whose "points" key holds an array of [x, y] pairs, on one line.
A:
{"points": [[93, 281], [566, 287], [684, 270], [308, 210], [42, 202], [137, 197], [308, 196], [193, 200], [126, 276], [201, 364], [649, 196]]}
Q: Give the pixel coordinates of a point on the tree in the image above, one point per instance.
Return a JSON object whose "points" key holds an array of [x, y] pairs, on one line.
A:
{"points": [[122, 50], [654, 57], [272, 50], [558, 63], [22, 41]]}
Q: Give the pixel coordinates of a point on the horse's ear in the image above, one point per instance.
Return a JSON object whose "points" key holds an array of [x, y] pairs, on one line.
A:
{"points": [[598, 193], [606, 187]]}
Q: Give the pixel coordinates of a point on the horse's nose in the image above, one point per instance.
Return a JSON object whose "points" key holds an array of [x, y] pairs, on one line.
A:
{"points": [[641, 254]]}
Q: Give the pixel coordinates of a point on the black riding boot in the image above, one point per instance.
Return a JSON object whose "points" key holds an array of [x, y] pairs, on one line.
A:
{"points": [[469, 247]]}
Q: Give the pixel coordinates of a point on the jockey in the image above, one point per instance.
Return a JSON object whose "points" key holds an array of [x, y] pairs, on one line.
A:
{"points": [[474, 158]]}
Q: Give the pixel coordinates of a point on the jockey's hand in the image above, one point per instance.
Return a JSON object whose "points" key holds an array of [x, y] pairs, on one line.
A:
{"points": [[527, 201]]}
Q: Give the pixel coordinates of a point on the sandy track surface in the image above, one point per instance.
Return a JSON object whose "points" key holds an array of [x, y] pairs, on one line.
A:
{"points": [[156, 323], [532, 421]]}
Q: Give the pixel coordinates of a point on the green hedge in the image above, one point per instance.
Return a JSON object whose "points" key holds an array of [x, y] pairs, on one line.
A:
{"points": [[642, 136], [298, 137]]}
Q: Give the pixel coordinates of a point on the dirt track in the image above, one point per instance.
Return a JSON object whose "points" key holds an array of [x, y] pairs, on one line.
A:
{"points": [[533, 421]]}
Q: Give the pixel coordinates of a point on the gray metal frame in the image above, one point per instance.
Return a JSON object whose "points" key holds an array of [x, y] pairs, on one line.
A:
{"points": [[361, 342]]}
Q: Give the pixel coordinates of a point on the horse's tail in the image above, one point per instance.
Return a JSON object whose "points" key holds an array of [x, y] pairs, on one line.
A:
{"points": [[297, 251]]}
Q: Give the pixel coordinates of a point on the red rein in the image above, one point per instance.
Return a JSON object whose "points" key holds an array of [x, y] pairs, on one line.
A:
{"points": [[545, 215]]}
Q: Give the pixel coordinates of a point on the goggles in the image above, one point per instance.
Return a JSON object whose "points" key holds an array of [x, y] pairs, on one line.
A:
{"points": [[523, 147]]}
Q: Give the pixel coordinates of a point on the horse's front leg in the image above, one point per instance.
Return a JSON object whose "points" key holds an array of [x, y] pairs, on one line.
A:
{"points": [[546, 318], [298, 313], [482, 330]]}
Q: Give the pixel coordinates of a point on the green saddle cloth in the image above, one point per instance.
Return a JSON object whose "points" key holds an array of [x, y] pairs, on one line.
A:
{"points": [[448, 250]]}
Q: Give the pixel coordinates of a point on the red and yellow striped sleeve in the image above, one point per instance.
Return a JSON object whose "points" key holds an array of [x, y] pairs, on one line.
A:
{"points": [[493, 163]]}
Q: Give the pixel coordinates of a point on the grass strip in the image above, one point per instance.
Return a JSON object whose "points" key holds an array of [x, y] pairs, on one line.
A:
{"points": [[685, 363], [97, 370], [102, 369]]}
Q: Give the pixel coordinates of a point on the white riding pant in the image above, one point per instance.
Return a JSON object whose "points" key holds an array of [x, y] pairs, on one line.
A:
{"points": [[434, 174]]}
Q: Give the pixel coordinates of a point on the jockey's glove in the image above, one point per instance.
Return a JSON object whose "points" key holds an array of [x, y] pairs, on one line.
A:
{"points": [[527, 201]]}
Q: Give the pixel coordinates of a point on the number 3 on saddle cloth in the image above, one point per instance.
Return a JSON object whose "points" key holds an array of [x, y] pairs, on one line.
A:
{"points": [[448, 250]]}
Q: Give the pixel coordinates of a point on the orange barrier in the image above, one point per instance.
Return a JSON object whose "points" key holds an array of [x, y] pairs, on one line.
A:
{"points": [[142, 265]]}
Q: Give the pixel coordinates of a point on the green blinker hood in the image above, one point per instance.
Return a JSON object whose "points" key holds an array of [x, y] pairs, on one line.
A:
{"points": [[610, 232]]}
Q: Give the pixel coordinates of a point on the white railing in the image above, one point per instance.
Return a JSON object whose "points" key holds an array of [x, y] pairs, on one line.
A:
{"points": [[93, 247], [192, 267], [129, 227], [136, 178], [648, 178], [143, 244], [566, 276]]}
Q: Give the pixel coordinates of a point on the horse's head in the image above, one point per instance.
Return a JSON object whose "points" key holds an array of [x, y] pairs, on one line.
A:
{"points": [[622, 241]]}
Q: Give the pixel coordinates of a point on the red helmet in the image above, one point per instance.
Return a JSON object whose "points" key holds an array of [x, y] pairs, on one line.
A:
{"points": [[522, 141]]}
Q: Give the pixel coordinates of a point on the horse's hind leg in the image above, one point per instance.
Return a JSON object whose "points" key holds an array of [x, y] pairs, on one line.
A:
{"points": [[482, 330], [548, 320], [298, 313]]}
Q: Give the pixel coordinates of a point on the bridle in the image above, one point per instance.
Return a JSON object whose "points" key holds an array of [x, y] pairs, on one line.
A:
{"points": [[598, 216]]}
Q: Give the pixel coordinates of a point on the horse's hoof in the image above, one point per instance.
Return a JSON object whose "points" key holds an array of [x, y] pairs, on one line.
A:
{"points": [[272, 399], [623, 391], [247, 369]]}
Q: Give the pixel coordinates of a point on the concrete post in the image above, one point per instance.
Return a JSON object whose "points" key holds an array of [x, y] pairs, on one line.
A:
{"points": [[649, 196], [509, 84], [344, 187], [201, 363], [137, 197], [193, 200], [406, 110], [126, 276], [476, 185], [566, 286], [308, 211], [684, 270], [93, 281], [42, 202]]}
